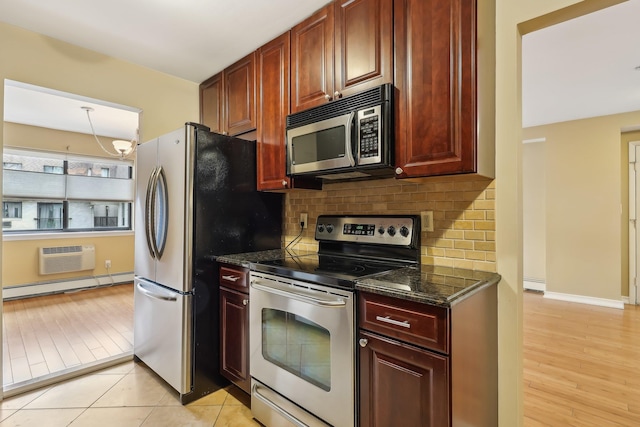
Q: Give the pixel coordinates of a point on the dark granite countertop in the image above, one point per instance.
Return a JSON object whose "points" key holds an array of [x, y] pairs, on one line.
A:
{"points": [[245, 259], [429, 284], [443, 286]]}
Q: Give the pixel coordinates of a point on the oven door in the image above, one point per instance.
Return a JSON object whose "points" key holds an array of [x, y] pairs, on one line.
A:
{"points": [[302, 347], [321, 146]]}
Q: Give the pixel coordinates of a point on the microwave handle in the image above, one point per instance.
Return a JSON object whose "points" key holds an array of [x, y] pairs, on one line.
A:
{"points": [[350, 144]]}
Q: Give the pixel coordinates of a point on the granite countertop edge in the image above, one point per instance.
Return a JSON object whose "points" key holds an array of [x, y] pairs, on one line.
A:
{"points": [[247, 258], [381, 285]]}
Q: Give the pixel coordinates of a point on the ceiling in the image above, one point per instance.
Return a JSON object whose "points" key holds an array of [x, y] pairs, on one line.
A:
{"points": [[581, 68]]}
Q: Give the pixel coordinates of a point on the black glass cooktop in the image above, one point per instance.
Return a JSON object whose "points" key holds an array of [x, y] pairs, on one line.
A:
{"points": [[329, 270]]}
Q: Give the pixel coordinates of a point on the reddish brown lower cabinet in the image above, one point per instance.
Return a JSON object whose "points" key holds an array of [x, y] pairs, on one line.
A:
{"points": [[401, 385], [428, 365], [234, 328]]}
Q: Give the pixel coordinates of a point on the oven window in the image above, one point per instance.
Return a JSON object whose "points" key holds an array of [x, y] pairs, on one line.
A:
{"points": [[297, 345]]}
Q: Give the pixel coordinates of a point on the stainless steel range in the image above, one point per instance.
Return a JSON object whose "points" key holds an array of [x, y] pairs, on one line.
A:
{"points": [[302, 318]]}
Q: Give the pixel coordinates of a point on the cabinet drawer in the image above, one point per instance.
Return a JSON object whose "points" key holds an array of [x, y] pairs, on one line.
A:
{"points": [[420, 324], [234, 277]]}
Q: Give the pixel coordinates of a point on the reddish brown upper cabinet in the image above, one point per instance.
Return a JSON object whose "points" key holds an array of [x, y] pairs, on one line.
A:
{"points": [[273, 82], [437, 93], [211, 105], [227, 100], [343, 48], [240, 96], [273, 108]]}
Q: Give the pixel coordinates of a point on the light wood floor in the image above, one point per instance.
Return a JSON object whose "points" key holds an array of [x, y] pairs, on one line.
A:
{"points": [[48, 334], [581, 364]]}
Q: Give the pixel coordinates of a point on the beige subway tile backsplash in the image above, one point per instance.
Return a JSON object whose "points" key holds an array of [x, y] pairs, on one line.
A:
{"points": [[463, 209]]}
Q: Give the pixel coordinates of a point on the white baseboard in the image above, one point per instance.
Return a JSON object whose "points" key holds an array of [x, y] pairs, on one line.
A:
{"points": [[33, 289], [585, 300], [625, 300], [534, 285]]}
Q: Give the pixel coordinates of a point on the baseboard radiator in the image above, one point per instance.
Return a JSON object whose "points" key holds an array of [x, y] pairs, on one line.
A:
{"points": [[65, 259]]}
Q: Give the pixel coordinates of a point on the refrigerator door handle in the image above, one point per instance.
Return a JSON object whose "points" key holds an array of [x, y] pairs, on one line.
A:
{"points": [[151, 294], [148, 218], [161, 193]]}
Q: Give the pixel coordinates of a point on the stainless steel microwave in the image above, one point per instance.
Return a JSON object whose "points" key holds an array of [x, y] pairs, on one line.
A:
{"points": [[348, 138]]}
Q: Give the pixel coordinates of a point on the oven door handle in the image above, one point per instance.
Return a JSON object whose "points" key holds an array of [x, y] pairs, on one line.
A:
{"points": [[285, 291]]}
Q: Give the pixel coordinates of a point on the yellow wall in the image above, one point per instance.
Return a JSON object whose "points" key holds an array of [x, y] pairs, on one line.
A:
{"points": [[583, 199], [167, 102]]}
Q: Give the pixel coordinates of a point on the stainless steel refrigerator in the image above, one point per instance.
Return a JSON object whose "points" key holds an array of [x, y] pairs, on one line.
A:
{"points": [[196, 199]]}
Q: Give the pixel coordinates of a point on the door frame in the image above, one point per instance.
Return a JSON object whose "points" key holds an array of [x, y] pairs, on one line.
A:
{"points": [[634, 212]]}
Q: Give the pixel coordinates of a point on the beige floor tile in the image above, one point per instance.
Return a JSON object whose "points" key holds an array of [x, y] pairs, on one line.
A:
{"points": [[5, 413], [192, 416], [109, 417], [42, 417], [138, 388], [75, 393], [237, 397], [19, 401], [235, 416]]}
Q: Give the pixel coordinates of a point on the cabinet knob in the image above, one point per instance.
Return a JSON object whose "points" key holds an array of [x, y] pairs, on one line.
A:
{"points": [[245, 301], [284, 183], [363, 342], [399, 171], [224, 132], [337, 94], [327, 97]]}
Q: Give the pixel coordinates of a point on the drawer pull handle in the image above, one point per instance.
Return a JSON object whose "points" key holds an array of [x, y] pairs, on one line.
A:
{"points": [[231, 278], [387, 319], [363, 342]]}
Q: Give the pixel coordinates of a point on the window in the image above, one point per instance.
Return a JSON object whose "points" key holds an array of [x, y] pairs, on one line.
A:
{"points": [[12, 165], [50, 191], [11, 209]]}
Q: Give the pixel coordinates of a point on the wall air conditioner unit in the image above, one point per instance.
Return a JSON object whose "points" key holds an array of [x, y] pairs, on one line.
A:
{"points": [[64, 259]]}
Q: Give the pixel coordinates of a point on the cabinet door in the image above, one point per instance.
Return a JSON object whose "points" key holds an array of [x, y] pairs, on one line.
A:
{"points": [[363, 44], [401, 385], [273, 108], [234, 338], [239, 96], [436, 86], [312, 60], [211, 109]]}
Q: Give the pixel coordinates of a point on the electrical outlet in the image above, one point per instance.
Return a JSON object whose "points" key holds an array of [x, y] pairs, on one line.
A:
{"points": [[107, 263], [303, 219], [426, 219]]}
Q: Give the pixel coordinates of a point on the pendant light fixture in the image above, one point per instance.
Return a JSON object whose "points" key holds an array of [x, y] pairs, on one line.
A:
{"points": [[123, 148]]}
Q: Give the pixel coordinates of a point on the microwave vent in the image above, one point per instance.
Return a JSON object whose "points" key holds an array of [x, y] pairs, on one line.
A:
{"points": [[358, 101]]}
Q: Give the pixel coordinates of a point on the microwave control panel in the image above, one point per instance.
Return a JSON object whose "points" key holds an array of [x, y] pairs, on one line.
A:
{"points": [[369, 136]]}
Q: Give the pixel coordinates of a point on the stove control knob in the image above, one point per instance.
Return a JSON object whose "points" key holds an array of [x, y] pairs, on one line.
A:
{"points": [[381, 230], [391, 230], [329, 228], [320, 228], [404, 231]]}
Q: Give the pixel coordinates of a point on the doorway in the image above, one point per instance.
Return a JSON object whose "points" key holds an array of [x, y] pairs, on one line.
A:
{"points": [[60, 323]]}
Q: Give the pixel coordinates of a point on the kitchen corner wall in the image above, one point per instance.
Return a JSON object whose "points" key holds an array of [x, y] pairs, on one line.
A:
{"points": [[463, 210]]}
